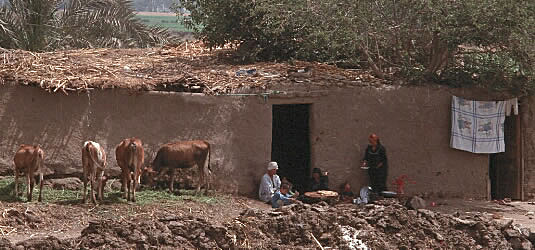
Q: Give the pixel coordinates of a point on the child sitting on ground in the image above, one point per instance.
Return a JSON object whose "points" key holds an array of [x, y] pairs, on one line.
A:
{"points": [[290, 186], [347, 195], [281, 197]]}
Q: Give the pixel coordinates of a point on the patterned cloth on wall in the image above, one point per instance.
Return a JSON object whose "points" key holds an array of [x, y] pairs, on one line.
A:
{"points": [[477, 126]]}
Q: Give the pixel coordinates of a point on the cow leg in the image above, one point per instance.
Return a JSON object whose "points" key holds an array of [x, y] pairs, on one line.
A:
{"points": [[92, 182], [128, 184], [100, 185], [40, 186], [16, 183], [124, 182], [85, 180], [201, 176], [29, 187], [172, 180], [207, 181], [135, 183]]}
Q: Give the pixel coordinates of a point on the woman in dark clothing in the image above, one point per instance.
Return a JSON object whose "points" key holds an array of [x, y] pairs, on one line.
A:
{"points": [[319, 180], [376, 162]]}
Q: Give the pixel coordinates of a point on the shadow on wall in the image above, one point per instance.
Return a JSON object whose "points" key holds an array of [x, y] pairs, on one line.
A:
{"points": [[32, 116]]}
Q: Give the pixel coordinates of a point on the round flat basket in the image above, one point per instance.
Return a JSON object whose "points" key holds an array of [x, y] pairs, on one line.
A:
{"points": [[322, 194]]}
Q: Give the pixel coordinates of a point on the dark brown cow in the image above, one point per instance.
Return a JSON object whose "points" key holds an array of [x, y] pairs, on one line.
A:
{"points": [[28, 160], [130, 156], [94, 163], [184, 154]]}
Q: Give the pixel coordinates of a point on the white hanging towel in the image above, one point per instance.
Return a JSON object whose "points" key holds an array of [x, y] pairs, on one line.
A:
{"points": [[477, 126], [511, 104]]}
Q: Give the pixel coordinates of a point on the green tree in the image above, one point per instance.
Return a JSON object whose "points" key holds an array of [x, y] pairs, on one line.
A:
{"points": [[42, 25], [470, 42]]}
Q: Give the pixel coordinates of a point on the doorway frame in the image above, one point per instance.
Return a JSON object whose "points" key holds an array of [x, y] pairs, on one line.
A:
{"points": [[310, 111], [519, 163]]}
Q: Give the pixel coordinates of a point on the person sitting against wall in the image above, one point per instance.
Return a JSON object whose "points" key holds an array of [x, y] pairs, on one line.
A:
{"points": [[270, 183], [319, 180], [347, 195], [377, 164], [282, 197]]}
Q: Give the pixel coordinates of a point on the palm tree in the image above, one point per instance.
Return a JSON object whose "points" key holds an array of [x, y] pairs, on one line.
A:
{"points": [[44, 25]]}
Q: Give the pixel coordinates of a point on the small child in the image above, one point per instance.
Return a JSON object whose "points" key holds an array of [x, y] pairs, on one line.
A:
{"points": [[347, 195], [290, 186], [281, 198]]}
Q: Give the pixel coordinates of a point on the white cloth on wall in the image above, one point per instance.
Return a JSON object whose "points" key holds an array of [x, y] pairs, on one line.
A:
{"points": [[477, 126], [511, 104]]}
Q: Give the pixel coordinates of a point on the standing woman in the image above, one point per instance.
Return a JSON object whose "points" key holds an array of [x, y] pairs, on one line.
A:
{"points": [[376, 163]]}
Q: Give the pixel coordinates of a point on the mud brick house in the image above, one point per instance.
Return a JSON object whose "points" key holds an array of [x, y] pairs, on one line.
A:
{"points": [[303, 115]]}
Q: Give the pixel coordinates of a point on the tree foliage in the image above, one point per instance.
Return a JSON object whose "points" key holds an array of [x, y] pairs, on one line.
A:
{"points": [[42, 25], [470, 42]]}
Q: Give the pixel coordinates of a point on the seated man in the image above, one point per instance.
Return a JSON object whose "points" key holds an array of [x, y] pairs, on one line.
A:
{"points": [[318, 181], [347, 195], [270, 183], [281, 197]]}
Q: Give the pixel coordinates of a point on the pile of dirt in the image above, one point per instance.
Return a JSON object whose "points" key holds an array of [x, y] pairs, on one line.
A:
{"points": [[13, 218], [170, 232], [385, 225]]}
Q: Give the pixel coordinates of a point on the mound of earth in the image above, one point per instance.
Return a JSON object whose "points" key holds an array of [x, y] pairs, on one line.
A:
{"points": [[384, 225]]}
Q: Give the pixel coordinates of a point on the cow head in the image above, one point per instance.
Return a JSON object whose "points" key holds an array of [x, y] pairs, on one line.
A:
{"points": [[132, 146], [148, 176]]}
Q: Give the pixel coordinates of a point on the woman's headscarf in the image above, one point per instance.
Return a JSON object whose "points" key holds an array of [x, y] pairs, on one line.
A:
{"points": [[374, 138]]}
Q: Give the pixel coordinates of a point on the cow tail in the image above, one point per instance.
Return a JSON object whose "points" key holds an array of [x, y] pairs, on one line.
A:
{"points": [[96, 161], [209, 154]]}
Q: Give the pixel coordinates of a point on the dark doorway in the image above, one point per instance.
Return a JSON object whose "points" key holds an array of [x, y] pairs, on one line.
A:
{"points": [[290, 146], [505, 169]]}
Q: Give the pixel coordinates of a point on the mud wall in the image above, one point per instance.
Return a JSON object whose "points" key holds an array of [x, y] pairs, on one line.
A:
{"points": [[238, 128], [413, 124]]}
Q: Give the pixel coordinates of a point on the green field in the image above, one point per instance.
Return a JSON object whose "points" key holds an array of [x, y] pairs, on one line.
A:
{"points": [[169, 22]]}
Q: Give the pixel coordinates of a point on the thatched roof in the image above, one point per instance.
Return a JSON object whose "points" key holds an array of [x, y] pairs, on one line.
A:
{"points": [[188, 67]]}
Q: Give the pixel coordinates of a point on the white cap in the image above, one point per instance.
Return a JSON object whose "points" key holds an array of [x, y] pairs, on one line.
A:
{"points": [[273, 165]]}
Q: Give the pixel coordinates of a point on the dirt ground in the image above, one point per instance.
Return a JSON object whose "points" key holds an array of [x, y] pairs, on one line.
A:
{"points": [[21, 221], [522, 213], [241, 222]]}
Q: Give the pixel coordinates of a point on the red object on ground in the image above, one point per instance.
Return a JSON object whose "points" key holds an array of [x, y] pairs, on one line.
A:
{"points": [[400, 183]]}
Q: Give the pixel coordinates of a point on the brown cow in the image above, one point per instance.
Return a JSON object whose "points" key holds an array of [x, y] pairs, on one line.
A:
{"points": [[130, 156], [184, 154], [94, 163], [28, 160]]}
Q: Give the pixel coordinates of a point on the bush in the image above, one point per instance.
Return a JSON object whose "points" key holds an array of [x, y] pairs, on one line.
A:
{"points": [[474, 42]]}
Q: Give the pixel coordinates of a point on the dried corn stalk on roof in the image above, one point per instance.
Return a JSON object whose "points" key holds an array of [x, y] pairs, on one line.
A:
{"points": [[186, 67]]}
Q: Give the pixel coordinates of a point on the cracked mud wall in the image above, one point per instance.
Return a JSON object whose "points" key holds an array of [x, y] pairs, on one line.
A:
{"points": [[413, 123], [61, 123]]}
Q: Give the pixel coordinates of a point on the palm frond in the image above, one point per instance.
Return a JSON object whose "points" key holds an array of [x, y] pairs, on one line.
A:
{"points": [[53, 24], [108, 23]]}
